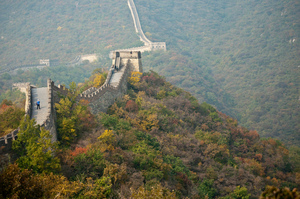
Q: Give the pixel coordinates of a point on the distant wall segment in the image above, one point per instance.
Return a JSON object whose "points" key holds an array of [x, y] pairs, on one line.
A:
{"points": [[148, 45]]}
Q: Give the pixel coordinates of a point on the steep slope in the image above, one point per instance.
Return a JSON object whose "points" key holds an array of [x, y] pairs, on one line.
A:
{"points": [[159, 134], [156, 141], [242, 57]]}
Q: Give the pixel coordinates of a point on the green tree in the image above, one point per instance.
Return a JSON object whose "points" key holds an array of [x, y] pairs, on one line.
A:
{"points": [[67, 130], [294, 156], [65, 121], [73, 87], [206, 188], [72, 118], [64, 107], [35, 148], [238, 193]]}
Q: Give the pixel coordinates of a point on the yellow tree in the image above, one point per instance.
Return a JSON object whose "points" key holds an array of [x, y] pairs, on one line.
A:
{"points": [[107, 140], [99, 80], [135, 77], [156, 192]]}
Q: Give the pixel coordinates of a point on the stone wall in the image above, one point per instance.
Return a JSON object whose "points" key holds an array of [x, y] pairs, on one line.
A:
{"points": [[148, 45], [131, 58], [90, 57], [50, 123], [58, 92], [99, 99], [6, 141], [106, 95], [25, 88], [158, 46]]}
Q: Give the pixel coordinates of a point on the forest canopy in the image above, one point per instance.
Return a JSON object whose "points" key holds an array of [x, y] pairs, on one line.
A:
{"points": [[156, 141]]}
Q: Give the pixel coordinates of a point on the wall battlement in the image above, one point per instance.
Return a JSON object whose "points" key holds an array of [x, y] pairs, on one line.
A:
{"points": [[100, 99]]}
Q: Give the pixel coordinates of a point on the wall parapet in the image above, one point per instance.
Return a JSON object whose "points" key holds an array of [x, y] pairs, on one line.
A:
{"points": [[28, 102], [106, 95], [50, 122], [6, 141]]}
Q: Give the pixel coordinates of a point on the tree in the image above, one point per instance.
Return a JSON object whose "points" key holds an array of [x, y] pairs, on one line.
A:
{"points": [[73, 87], [64, 107], [65, 121], [240, 193], [67, 130], [107, 140], [72, 118], [206, 188], [294, 156], [35, 148], [274, 193], [156, 192], [135, 77], [10, 117], [99, 80], [23, 183], [17, 183]]}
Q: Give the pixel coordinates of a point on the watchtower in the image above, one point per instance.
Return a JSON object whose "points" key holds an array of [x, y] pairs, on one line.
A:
{"points": [[132, 58]]}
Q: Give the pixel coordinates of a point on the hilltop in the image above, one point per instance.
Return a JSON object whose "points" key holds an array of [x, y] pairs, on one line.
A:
{"points": [[156, 140]]}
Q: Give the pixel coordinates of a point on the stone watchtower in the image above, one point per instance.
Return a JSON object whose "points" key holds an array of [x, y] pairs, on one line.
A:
{"points": [[132, 58]]}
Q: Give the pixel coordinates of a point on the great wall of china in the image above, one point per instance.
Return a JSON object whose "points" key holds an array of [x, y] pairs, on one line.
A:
{"points": [[124, 61], [148, 45], [115, 85]]}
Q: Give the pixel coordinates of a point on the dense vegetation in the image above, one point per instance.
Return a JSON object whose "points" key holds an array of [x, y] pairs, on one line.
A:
{"points": [[157, 141], [10, 116], [242, 57]]}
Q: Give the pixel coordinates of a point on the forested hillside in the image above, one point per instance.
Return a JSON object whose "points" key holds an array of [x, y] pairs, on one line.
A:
{"points": [[33, 30], [156, 141], [242, 57]]}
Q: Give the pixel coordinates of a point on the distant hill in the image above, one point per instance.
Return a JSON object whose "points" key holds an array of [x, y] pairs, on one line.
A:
{"points": [[32, 30], [242, 57]]}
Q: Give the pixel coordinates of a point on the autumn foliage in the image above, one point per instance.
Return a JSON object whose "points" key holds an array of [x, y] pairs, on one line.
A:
{"points": [[157, 141], [10, 117]]}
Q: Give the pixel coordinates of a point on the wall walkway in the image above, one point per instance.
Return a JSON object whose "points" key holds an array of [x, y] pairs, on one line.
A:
{"points": [[40, 115], [45, 117], [148, 45]]}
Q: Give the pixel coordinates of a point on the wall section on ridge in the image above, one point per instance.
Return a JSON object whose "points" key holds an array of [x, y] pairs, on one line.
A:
{"points": [[99, 99], [106, 95]]}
